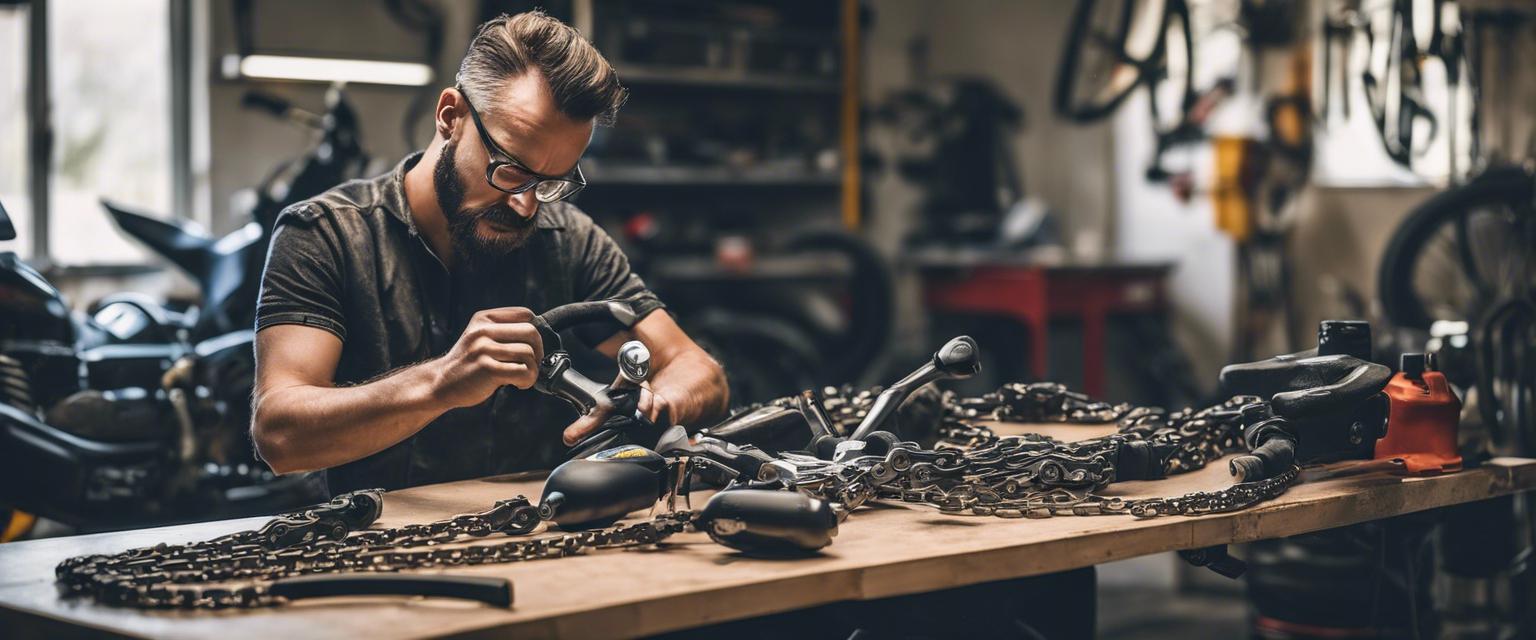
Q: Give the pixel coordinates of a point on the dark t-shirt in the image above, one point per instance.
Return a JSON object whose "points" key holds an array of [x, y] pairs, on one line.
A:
{"points": [[351, 262]]}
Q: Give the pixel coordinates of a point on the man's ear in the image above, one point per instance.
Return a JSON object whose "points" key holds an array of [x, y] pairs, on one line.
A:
{"points": [[449, 113]]}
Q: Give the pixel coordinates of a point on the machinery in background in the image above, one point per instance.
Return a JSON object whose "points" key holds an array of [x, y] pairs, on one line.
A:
{"points": [[137, 414], [954, 144], [1457, 277], [817, 308], [99, 431], [228, 269], [1373, 579]]}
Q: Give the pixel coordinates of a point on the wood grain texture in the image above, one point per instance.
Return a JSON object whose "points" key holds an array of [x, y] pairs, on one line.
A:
{"points": [[880, 551]]}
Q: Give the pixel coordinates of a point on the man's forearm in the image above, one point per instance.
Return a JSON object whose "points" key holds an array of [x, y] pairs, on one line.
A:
{"points": [[305, 427], [695, 389]]}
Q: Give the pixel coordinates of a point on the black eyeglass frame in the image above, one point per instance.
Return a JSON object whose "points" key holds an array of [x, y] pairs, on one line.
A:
{"points": [[575, 177]]}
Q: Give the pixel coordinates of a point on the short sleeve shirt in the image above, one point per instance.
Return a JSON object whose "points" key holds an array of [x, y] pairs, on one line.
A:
{"points": [[350, 261]]}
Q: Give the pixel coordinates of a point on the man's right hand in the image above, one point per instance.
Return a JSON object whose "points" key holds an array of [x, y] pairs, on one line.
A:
{"points": [[499, 347]]}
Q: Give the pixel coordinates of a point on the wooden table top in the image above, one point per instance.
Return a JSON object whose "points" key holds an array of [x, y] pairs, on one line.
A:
{"points": [[882, 550]]}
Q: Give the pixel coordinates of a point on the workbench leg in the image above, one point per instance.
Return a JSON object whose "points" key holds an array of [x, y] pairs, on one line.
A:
{"points": [[1093, 353], [1040, 345]]}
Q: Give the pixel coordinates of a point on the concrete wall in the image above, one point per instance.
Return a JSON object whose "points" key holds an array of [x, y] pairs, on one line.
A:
{"points": [[247, 144], [1015, 45]]}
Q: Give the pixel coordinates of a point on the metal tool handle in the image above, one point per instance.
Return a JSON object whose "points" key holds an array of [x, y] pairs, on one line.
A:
{"points": [[492, 591], [747, 460], [958, 358], [558, 378], [634, 363]]}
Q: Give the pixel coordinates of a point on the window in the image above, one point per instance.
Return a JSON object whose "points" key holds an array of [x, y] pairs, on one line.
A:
{"points": [[110, 72]]}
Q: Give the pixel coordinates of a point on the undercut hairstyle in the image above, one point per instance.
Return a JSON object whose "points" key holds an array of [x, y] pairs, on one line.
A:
{"points": [[584, 85]]}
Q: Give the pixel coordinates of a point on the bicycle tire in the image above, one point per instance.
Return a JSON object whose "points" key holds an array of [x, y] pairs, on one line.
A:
{"points": [[1068, 72], [1394, 277]]}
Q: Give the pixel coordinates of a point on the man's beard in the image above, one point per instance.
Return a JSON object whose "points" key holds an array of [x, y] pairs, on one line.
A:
{"points": [[470, 249]]}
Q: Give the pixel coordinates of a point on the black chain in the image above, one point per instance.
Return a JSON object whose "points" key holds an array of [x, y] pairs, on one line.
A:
{"points": [[237, 570], [1033, 475], [972, 471]]}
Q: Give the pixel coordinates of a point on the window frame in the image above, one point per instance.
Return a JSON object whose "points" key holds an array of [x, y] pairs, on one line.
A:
{"points": [[182, 66]]}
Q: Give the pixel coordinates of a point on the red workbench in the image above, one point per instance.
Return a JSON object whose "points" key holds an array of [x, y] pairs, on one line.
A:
{"points": [[1035, 294]]}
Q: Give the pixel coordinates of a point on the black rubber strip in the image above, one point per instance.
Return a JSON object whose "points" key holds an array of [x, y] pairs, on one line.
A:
{"points": [[492, 591]]}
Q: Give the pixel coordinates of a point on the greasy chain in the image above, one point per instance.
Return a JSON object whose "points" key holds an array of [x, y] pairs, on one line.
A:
{"points": [[976, 472], [972, 471], [322, 540]]}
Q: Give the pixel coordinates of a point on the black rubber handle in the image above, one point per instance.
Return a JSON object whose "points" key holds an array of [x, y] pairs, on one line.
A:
{"points": [[492, 591], [566, 316], [1366, 379]]}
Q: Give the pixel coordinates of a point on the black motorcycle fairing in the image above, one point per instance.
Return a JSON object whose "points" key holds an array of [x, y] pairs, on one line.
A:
{"points": [[7, 230], [54, 474], [34, 309]]}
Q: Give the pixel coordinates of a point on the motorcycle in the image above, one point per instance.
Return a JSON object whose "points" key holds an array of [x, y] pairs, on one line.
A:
{"points": [[136, 414], [228, 269]]}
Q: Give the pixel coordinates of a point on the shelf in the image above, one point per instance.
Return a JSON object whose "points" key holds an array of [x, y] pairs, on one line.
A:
{"points": [[706, 77], [640, 175]]}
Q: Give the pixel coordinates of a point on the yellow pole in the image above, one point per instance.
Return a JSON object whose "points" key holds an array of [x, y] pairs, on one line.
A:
{"points": [[849, 120]]}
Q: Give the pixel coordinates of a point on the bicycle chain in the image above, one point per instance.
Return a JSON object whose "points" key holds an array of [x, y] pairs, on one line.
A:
{"points": [[978, 472], [319, 541], [973, 471]]}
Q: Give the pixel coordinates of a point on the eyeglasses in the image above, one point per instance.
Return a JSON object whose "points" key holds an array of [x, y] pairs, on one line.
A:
{"points": [[507, 175]]}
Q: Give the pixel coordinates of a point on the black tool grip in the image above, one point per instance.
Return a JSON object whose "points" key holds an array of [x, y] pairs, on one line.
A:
{"points": [[569, 315], [1364, 380], [492, 591]]}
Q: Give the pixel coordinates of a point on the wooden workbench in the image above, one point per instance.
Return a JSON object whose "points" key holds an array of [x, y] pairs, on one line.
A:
{"points": [[881, 551]]}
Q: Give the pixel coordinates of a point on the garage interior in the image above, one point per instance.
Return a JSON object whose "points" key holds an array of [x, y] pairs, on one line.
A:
{"points": [[1129, 198]]}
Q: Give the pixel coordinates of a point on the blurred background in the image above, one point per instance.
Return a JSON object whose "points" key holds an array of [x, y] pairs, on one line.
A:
{"points": [[1123, 196]]}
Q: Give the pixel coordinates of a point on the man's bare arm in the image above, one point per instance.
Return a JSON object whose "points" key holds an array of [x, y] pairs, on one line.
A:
{"points": [[686, 384], [304, 422]]}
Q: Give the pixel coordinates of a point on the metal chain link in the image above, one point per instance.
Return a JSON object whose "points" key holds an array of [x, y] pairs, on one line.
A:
{"points": [[973, 471], [1036, 476], [199, 575]]}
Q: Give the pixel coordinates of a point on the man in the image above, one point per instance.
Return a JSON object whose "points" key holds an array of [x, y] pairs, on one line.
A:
{"points": [[393, 343]]}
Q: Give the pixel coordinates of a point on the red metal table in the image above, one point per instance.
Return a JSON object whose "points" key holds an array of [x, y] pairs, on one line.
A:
{"points": [[1035, 294]]}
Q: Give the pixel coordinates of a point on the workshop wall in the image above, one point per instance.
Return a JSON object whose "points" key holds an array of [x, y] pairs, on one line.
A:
{"points": [[1015, 45], [316, 28]]}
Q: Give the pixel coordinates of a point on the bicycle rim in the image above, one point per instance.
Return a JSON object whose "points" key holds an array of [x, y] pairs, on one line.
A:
{"points": [[1461, 252], [1109, 46]]}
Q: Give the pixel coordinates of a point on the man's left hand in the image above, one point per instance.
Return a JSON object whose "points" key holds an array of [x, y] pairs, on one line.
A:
{"points": [[652, 405]]}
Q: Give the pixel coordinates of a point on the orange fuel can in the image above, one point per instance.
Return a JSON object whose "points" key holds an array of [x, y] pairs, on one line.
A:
{"points": [[1422, 419]]}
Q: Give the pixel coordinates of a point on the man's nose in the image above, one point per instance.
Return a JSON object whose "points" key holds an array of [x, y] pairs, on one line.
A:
{"points": [[523, 203]]}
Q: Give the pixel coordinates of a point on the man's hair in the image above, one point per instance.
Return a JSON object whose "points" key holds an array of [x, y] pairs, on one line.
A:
{"points": [[582, 82]]}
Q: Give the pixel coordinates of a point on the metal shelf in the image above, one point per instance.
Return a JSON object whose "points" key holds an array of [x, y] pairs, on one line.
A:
{"points": [[661, 175], [706, 77]]}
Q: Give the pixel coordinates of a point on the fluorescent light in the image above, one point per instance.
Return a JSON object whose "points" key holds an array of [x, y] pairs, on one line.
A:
{"points": [[411, 74]]}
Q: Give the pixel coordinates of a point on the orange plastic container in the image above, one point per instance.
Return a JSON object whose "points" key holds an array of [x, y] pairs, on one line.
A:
{"points": [[1422, 419]]}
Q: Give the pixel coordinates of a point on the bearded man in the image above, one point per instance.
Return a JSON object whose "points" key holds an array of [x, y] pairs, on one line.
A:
{"points": [[393, 343]]}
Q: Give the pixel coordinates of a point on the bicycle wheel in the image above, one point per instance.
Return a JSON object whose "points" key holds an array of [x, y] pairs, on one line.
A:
{"points": [[1110, 47], [1466, 254], [1461, 251]]}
